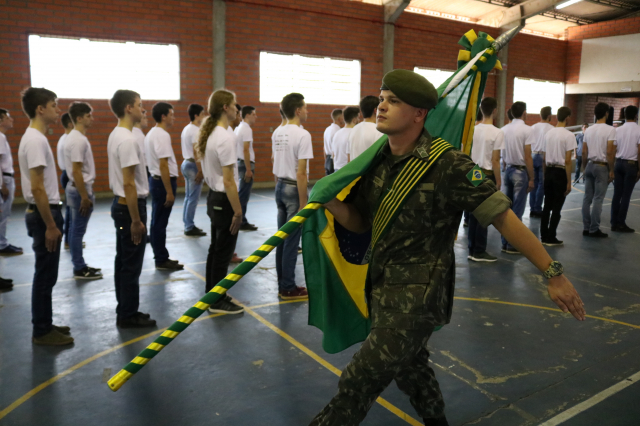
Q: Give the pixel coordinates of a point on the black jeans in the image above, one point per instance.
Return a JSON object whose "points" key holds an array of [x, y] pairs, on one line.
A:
{"points": [[129, 258], [46, 273], [160, 218], [476, 233], [328, 165], [555, 185], [626, 173], [223, 243]]}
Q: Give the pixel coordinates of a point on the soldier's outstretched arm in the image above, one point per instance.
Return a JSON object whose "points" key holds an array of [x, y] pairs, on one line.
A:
{"points": [[348, 216], [560, 288]]}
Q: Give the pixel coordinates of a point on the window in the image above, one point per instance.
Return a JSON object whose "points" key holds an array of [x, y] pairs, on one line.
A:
{"points": [[538, 94], [435, 76], [321, 80], [92, 69]]}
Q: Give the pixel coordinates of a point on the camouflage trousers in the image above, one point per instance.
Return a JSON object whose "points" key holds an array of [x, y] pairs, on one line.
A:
{"points": [[386, 355]]}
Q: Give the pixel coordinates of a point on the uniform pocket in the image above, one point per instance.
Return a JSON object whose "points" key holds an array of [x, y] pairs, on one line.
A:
{"points": [[415, 216], [404, 288]]}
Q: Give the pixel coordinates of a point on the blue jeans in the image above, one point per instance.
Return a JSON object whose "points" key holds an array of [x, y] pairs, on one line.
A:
{"points": [[192, 192], [5, 206], [596, 181], [46, 271], [64, 180], [244, 192], [516, 182], [537, 195], [78, 225], [160, 218], [287, 253], [129, 258], [626, 174]]}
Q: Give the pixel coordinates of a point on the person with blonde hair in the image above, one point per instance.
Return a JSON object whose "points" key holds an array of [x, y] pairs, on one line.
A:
{"points": [[217, 149]]}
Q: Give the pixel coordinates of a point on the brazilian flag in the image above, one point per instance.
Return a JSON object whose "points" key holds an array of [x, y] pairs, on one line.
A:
{"points": [[334, 257]]}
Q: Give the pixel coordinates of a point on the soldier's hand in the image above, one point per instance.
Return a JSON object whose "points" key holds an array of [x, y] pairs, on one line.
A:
{"points": [[566, 297]]}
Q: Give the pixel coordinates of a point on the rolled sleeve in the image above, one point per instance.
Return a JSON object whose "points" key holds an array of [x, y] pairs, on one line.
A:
{"points": [[490, 208]]}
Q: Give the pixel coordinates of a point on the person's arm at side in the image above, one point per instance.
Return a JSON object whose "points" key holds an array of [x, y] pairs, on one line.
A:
{"points": [[347, 215], [231, 190], [4, 190], [560, 288], [301, 179], [567, 168], [53, 235], [199, 176], [248, 175], [585, 155], [138, 229], [166, 181], [85, 203], [638, 177], [528, 161], [611, 158], [495, 166]]}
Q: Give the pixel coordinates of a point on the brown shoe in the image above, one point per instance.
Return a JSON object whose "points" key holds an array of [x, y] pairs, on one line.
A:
{"points": [[62, 329], [53, 338], [298, 294], [236, 259]]}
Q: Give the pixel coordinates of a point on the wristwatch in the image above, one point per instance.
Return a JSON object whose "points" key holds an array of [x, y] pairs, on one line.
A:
{"points": [[554, 270]]}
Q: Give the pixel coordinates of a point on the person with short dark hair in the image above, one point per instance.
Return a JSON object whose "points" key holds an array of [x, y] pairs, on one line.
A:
{"points": [[163, 183], [539, 129], [340, 140], [365, 133], [192, 170], [244, 134], [67, 125], [579, 140], [559, 145], [81, 170], [7, 190], [625, 172], [44, 217], [337, 123]]}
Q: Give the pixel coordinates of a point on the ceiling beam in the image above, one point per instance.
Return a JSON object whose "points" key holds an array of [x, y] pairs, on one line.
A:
{"points": [[519, 11], [614, 3], [393, 9]]}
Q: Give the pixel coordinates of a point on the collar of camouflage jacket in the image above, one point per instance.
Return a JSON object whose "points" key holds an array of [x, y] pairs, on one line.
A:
{"points": [[420, 151]]}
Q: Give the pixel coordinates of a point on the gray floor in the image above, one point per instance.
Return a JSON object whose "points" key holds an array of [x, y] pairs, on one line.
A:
{"points": [[498, 364]]}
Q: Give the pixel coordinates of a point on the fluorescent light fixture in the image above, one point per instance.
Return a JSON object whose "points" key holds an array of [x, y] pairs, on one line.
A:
{"points": [[567, 4]]}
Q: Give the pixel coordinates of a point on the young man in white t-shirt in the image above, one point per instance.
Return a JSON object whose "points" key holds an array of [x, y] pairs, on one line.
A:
{"points": [[192, 170], [488, 141], [598, 155], [81, 169], [7, 190], [338, 121], [44, 216], [365, 133], [130, 185], [558, 148], [163, 183], [67, 125], [292, 150], [244, 134], [539, 129], [340, 140]]}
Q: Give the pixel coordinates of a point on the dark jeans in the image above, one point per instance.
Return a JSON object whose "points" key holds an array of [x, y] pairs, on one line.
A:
{"points": [[129, 258], [160, 218], [64, 179], [626, 173], [555, 185], [477, 235], [46, 271], [578, 166], [328, 165], [537, 195], [223, 243], [244, 192], [287, 253]]}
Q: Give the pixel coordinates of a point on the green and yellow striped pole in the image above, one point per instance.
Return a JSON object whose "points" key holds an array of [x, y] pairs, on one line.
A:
{"points": [[210, 298]]}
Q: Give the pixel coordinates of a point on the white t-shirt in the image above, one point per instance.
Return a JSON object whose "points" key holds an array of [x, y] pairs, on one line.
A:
{"points": [[596, 137], [362, 137], [188, 138], [539, 132], [6, 160], [60, 152], [290, 144], [123, 151], [220, 152], [157, 145], [628, 139], [77, 149], [34, 151], [244, 134], [139, 135], [558, 141], [516, 136], [328, 136], [486, 139], [340, 146]]}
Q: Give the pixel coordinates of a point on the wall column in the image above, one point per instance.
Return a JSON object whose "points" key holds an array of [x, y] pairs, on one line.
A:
{"points": [[219, 42]]}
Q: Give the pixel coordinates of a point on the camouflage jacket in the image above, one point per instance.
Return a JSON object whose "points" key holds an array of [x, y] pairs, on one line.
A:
{"points": [[412, 267]]}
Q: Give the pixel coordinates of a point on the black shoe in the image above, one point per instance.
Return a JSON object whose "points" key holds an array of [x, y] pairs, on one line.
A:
{"points": [[552, 242], [11, 251], [143, 315], [87, 273], [585, 233], [625, 229], [136, 321], [440, 421], [170, 265], [62, 329], [94, 269], [509, 250], [5, 285], [248, 227], [615, 228], [535, 214], [6, 280], [598, 234], [482, 257], [195, 232], [225, 306], [148, 239]]}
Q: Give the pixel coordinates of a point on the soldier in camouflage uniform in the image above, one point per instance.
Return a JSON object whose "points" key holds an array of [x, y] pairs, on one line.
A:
{"points": [[412, 266]]}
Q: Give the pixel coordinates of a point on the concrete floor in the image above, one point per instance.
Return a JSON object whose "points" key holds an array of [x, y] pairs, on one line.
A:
{"points": [[515, 363]]}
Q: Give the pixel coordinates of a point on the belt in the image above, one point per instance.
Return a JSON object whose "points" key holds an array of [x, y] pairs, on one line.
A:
{"points": [[191, 160], [7, 174], [518, 167], [123, 200], [288, 181], [487, 172], [632, 162], [556, 166], [156, 177], [537, 152], [34, 207], [600, 163]]}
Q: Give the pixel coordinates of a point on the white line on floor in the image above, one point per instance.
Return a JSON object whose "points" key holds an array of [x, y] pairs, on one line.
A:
{"points": [[596, 399]]}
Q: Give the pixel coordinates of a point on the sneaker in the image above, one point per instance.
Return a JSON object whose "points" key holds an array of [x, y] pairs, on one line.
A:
{"points": [[94, 269], [298, 293], [482, 257], [225, 306], [535, 214], [62, 329], [11, 251], [136, 321], [5, 284], [195, 232], [598, 234], [585, 233], [53, 338], [625, 229], [248, 227], [169, 265], [87, 274], [236, 259], [509, 250], [143, 315], [552, 242]]}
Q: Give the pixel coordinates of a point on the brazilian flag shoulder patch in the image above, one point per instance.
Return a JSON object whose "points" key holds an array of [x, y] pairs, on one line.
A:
{"points": [[476, 176]]}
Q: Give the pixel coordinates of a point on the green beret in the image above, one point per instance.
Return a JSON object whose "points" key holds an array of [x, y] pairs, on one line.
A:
{"points": [[411, 88]]}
